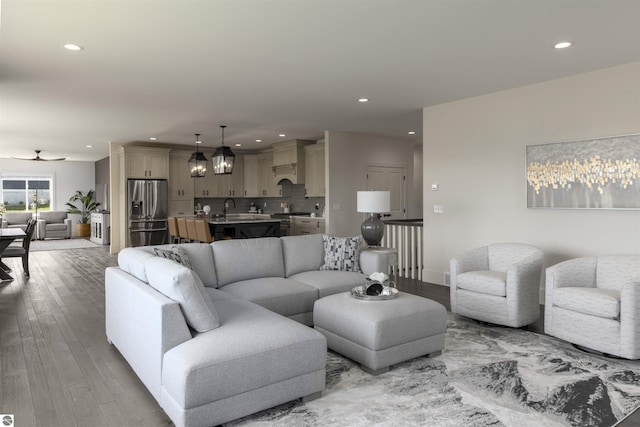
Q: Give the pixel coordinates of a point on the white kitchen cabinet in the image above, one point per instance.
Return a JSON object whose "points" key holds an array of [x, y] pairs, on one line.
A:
{"points": [[181, 207], [181, 185], [266, 186], [251, 176], [306, 225], [232, 185], [314, 170], [146, 162], [206, 186]]}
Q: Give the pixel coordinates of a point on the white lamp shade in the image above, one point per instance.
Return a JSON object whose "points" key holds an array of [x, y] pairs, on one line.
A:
{"points": [[374, 201]]}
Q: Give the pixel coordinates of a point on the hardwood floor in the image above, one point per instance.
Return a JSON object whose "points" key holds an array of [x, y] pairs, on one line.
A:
{"points": [[56, 367]]}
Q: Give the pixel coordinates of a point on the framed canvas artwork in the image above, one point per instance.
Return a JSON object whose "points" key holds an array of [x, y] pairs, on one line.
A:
{"points": [[598, 173]]}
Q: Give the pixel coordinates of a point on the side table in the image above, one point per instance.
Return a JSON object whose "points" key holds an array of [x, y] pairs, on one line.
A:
{"points": [[392, 259]]}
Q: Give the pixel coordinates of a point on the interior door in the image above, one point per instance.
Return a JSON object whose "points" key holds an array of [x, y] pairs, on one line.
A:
{"points": [[392, 179]]}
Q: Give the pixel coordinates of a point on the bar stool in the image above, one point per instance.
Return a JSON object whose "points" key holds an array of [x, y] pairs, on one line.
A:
{"points": [[172, 222], [191, 230], [182, 229], [203, 232]]}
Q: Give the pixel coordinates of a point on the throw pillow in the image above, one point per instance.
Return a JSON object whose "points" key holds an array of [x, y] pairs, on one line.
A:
{"points": [[176, 254], [183, 285], [341, 253]]}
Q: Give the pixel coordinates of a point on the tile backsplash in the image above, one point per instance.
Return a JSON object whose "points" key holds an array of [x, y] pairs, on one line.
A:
{"points": [[293, 194]]}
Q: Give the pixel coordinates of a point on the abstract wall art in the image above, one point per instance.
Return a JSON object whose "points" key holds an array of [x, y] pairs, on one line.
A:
{"points": [[601, 173]]}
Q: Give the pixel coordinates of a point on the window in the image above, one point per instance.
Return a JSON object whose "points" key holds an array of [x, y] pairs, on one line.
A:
{"points": [[22, 194]]}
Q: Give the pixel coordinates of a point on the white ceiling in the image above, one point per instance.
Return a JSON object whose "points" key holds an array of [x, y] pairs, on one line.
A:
{"points": [[169, 69]]}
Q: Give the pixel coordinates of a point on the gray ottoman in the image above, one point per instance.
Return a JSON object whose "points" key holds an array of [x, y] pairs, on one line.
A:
{"points": [[378, 334]]}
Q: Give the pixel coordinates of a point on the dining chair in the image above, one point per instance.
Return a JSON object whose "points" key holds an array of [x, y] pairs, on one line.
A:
{"points": [[182, 229], [22, 251], [203, 231], [191, 230]]}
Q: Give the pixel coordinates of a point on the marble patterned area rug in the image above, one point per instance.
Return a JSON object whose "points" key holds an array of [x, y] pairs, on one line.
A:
{"points": [[486, 376], [61, 244]]}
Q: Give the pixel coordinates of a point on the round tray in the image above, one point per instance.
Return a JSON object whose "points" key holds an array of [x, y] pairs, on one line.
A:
{"points": [[387, 293]]}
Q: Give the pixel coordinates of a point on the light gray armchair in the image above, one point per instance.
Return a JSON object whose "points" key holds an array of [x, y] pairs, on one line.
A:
{"points": [[16, 220], [498, 283], [53, 225], [594, 302]]}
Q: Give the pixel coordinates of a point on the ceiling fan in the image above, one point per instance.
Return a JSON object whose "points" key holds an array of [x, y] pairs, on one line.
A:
{"points": [[37, 158]]}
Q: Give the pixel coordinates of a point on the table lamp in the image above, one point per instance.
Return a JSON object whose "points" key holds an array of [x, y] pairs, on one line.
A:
{"points": [[373, 203]]}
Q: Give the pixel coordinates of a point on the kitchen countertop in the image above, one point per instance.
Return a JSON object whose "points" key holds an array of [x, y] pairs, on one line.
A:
{"points": [[239, 221]]}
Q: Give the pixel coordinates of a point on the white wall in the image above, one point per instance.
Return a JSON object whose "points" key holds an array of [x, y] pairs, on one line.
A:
{"points": [[475, 150], [69, 176], [347, 156]]}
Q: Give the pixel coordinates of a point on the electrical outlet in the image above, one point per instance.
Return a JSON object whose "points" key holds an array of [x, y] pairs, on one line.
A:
{"points": [[265, 204], [438, 209]]}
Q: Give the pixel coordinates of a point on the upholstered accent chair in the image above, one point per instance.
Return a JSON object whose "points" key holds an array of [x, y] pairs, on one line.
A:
{"points": [[594, 302], [498, 283], [53, 225], [16, 220]]}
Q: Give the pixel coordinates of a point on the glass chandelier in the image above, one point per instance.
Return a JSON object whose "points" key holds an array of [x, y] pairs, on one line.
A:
{"points": [[222, 158], [198, 161]]}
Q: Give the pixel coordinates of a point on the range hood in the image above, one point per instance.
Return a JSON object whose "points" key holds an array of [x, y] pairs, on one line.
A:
{"points": [[288, 161]]}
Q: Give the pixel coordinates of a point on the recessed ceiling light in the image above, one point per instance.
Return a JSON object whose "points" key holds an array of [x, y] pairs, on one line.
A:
{"points": [[412, 132], [238, 145], [72, 46], [89, 146], [153, 138], [363, 99], [282, 135], [258, 140], [562, 45]]}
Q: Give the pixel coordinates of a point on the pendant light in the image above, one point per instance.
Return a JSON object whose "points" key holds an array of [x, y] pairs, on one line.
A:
{"points": [[198, 162], [222, 159]]}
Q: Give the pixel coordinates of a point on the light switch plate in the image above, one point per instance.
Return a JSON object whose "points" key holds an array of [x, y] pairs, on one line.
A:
{"points": [[438, 209], [434, 187]]}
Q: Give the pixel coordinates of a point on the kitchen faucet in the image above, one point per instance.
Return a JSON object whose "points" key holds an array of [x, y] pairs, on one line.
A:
{"points": [[224, 206]]}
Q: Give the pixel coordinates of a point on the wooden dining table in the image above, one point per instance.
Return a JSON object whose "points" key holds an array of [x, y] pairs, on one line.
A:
{"points": [[8, 235]]}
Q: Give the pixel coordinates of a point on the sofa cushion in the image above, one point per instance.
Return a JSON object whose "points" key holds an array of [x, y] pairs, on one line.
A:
{"points": [[484, 282], [200, 256], [341, 253], [592, 301], [254, 349], [53, 216], [245, 259], [302, 253], [56, 227], [330, 282], [283, 296], [17, 218], [131, 260], [174, 254], [184, 286]]}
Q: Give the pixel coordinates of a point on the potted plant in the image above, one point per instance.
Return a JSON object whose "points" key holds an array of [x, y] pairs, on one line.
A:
{"points": [[88, 205]]}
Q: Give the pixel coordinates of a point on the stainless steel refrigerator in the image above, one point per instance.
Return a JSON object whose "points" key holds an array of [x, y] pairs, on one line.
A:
{"points": [[147, 201]]}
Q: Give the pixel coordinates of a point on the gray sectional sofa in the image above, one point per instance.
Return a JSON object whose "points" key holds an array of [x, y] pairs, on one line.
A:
{"points": [[252, 301]]}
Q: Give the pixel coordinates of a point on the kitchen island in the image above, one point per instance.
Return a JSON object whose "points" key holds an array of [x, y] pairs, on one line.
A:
{"points": [[240, 228]]}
